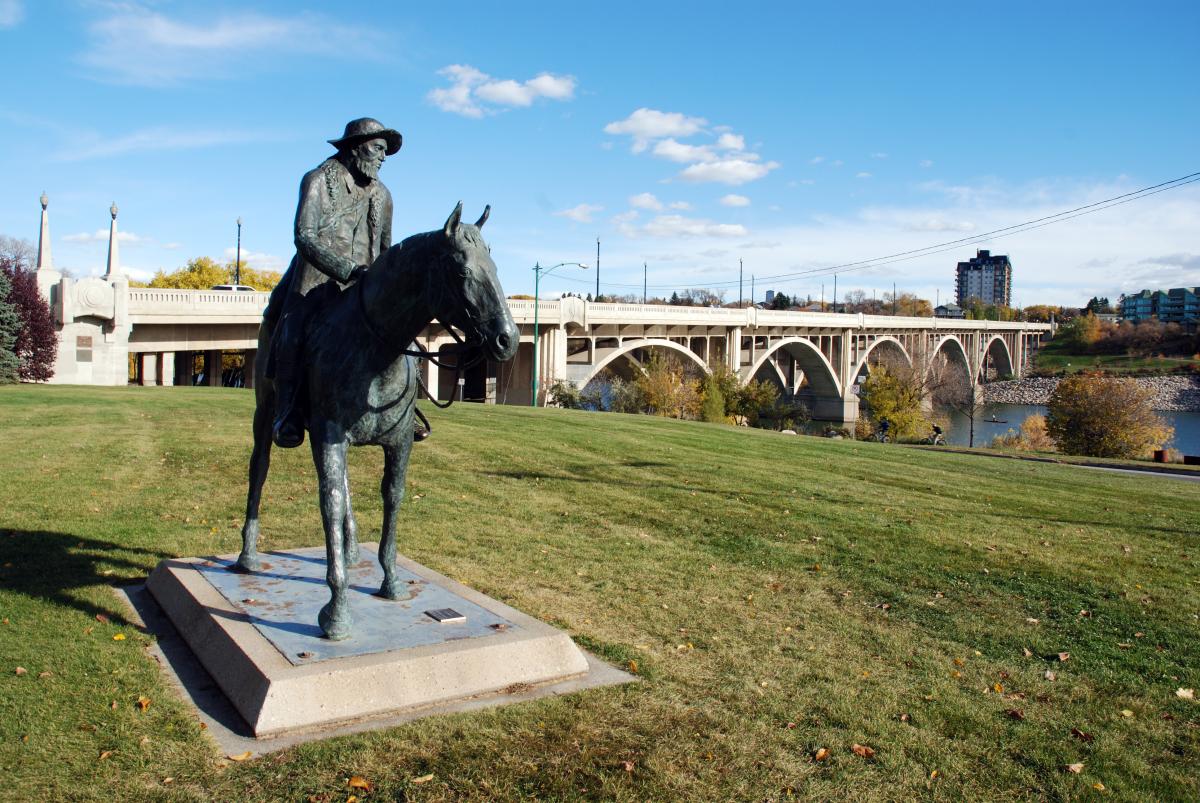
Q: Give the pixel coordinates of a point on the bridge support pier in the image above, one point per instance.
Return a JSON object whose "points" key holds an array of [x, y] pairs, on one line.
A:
{"points": [[248, 368], [212, 368], [834, 409]]}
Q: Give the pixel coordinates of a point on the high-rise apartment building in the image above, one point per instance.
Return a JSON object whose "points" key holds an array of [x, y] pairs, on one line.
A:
{"points": [[986, 277]]}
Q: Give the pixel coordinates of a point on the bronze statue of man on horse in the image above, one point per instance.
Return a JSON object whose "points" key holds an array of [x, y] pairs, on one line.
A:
{"points": [[343, 363]]}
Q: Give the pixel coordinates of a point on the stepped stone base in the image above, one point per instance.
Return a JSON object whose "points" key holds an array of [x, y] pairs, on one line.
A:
{"points": [[257, 637]]}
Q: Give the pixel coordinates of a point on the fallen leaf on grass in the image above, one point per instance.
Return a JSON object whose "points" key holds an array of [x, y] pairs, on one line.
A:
{"points": [[423, 778], [821, 754], [1185, 694], [113, 705], [1063, 657], [1099, 787], [143, 702], [1081, 736], [933, 775], [1075, 768], [1025, 651], [1015, 713], [905, 717], [20, 670], [240, 756], [996, 687], [104, 756], [359, 782], [119, 637], [627, 766], [633, 666], [863, 751], [44, 674], [1125, 712], [101, 618], [167, 781], [1029, 620]]}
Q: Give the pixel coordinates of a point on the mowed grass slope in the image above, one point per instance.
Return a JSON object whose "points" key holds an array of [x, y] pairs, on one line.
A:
{"points": [[776, 594]]}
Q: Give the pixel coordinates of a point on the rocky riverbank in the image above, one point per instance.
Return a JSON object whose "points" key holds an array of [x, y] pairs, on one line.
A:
{"points": [[1179, 393]]}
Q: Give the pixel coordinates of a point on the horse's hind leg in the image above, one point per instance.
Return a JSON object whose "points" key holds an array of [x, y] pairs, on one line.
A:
{"points": [[395, 468], [329, 455], [260, 463]]}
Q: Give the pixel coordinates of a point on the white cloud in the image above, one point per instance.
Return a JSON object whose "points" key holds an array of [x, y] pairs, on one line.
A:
{"points": [[474, 93], [837, 163], [581, 213], [11, 13], [735, 200], [862, 174], [680, 226], [926, 163], [159, 138], [101, 236], [879, 155], [682, 205], [816, 160], [645, 200], [644, 125], [172, 246], [731, 142], [257, 259], [940, 224], [676, 151], [728, 171], [134, 45]]}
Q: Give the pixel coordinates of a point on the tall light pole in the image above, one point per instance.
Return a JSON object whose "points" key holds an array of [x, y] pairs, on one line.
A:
{"points": [[237, 266], [538, 270]]}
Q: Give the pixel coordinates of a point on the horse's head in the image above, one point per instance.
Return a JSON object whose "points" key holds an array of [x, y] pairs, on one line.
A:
{"points": [[465, 292]]}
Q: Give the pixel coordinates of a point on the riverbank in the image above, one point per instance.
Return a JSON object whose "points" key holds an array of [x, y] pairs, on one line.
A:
{"points": [[1174, 393]]}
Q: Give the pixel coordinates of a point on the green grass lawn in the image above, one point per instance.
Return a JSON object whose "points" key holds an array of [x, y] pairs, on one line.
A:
{"points": [[1055, 357], [778, 595]]}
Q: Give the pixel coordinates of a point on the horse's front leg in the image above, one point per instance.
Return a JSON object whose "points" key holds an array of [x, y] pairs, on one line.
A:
{"points": [[349, 528], [329, 456], [395, 468], [260, 463]]}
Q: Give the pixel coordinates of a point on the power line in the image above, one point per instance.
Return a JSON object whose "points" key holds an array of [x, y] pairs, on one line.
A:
{"points": [[937, 248]]}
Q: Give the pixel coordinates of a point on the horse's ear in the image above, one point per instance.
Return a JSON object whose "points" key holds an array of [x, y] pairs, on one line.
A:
{"points": [[453, 221], [487, 210]]}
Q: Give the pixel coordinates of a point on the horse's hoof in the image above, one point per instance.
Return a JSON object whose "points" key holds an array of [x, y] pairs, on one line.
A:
{"points": [[390, 589], [247, 563], [335, 622]]}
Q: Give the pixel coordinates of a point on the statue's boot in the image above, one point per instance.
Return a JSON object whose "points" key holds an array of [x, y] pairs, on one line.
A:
{"points": [[421, 428], [288, 431]]}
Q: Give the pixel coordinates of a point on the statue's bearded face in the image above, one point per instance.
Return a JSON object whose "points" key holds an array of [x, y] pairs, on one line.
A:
{"points": [[367, 157]]}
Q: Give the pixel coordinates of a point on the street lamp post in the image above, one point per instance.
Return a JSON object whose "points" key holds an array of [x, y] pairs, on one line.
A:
{"points": [[237, 266], [538, 271]]}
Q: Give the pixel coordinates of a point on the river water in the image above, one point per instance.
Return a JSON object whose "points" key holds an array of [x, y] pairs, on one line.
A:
{"points": [[1010, 416]]}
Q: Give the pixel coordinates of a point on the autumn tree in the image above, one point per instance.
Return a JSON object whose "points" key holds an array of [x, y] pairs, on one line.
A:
{"points": [[896, 393], [666, 390], [712, 404], [36, 343], [1099, 416], [203, 273]]}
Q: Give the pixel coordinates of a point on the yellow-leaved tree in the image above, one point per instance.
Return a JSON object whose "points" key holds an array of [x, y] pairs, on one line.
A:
{"points": [[895, 394], [202, 273], [1101, 416]]}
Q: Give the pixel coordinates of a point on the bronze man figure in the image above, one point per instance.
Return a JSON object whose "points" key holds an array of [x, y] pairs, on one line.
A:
{"points": [[343, 222]]}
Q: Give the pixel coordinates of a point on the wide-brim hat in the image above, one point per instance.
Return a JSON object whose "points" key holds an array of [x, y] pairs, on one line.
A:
{"points": [[365, 128]]}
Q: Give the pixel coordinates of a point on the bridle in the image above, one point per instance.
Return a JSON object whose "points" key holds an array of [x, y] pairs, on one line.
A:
{"points": [[461, 349]]}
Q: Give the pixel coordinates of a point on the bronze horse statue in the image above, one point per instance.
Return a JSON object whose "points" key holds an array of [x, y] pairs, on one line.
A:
{"points": [[360, 380]]}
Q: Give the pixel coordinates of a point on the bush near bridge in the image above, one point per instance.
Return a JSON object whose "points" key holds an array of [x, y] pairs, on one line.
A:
{"points": [[979, 624], [1100, 416]]}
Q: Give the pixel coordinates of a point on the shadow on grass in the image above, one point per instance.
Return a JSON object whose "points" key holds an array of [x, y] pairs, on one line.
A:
{"points": [[49, 566]]}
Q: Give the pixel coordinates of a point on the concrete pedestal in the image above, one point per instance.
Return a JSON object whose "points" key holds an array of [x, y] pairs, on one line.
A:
{"points": [[257, 637]]}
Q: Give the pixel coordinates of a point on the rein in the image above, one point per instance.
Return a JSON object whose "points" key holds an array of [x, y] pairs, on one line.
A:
{"points": [[459, 350]]}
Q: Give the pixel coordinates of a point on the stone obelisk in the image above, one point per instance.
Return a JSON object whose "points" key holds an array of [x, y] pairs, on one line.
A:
{"points": [[114, 258]]}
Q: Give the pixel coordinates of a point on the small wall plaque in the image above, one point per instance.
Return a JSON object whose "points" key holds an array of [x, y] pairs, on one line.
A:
{"points": [[446, 616]]}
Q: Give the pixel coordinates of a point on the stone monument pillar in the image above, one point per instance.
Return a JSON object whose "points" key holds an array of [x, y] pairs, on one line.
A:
{"points": [[47, 276], [114, 259]]}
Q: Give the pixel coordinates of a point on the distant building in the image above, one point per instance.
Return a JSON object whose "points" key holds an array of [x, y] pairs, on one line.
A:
{"points": [[770, 297], [948, 311], [1177, 305], [986, 277]]}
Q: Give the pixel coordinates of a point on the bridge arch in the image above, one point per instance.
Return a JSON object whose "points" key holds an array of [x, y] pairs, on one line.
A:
{"points": [[820, 374], [892, 345], [627, 348], [950, 349], [997, 349]]}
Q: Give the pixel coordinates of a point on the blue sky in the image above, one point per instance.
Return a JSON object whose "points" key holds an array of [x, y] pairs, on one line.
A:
{"points": [[793, 136]]}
